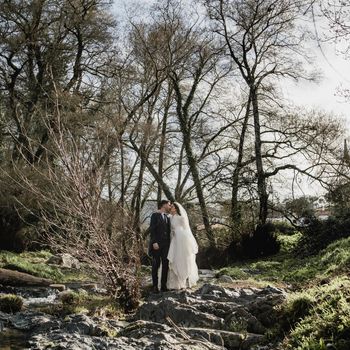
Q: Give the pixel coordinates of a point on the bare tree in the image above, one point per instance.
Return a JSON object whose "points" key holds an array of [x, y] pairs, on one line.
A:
{"points": [[44, 39], [74, 213], [260, 37]]}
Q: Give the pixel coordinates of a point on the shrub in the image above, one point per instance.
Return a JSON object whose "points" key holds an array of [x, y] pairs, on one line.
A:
{"points": [[319, 234], [297, 308], [10, 303], [263, 242], [285, 228], [71, 298]]}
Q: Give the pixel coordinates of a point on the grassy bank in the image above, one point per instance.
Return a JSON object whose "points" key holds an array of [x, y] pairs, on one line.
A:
{"points": [[318, 318], [316, 314], [284, 267], [35, 263]]}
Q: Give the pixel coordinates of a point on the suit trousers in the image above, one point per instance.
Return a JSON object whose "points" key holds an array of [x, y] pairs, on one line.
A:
{"points": [[160, 256]]}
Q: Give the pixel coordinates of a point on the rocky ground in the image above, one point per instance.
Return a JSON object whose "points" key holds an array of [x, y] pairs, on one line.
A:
{"points": [[210, 317]]}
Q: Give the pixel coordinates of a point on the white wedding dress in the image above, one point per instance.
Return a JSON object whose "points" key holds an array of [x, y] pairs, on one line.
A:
{"points": [[183, 270]]}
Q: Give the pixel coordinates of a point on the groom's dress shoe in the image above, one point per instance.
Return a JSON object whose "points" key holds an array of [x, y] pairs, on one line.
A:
{"points": [[164, 289], [155, 290]]}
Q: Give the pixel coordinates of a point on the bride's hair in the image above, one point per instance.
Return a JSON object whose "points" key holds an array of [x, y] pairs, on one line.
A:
{"points": [[178, 212]]}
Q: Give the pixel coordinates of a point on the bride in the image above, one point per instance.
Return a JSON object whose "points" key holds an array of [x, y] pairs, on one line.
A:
{"points": [[183, 270]]}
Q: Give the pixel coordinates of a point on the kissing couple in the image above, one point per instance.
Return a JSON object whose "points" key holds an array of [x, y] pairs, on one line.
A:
{"points": [[173, 248]]}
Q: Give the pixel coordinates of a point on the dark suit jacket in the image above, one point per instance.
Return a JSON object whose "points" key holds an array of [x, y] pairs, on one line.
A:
{"points": [[160, 231]]}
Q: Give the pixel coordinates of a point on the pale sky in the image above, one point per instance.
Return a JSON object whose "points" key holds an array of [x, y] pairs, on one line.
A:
{"points": [[336, 73]]}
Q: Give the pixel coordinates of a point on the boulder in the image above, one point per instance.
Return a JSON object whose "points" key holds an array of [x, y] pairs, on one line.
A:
{"points": [[225, 279], [182, 314], [211, 317], [64, 260], [230, 340]]}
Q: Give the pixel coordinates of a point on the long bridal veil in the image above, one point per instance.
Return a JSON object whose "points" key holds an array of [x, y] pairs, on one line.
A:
{"points": [[183, 269]]}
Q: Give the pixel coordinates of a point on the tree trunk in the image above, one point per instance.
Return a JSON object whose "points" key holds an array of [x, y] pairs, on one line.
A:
{"points": [[262, 193], [235, 208], [182, 113], [192, 163], [162, 143], [19, 279]]}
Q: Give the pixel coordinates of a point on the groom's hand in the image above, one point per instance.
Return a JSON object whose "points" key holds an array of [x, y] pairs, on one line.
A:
{"points": [[155, 246]]}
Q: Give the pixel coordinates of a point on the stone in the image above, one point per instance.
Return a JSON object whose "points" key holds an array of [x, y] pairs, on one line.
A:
{"points": [[242, 316], [218, 293], [64, 260], [59, 287], [81, 324], [230, 340], [225, 279], [183, 315], [211, 317]]}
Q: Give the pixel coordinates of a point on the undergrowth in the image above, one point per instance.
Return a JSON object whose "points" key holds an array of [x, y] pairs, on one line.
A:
{"points": [[319, 317]]}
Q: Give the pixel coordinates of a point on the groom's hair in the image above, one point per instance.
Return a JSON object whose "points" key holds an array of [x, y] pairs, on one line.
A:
{"points": [[162, 202]]}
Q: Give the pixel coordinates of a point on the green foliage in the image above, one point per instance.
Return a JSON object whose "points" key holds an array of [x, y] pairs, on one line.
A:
{"points": [[285, 228], [10, 303], [319, 316], [235, 272], [301, 207], [82, 302], [319, 313], [320, 234], [289, 242], [339, 196], [298, 307], [238, 326]]}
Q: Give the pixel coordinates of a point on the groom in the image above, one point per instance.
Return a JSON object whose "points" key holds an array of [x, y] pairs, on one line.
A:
{"points": [[159, 244]]}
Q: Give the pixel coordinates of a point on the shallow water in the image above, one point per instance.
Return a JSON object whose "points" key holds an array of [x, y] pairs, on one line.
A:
{"points": [[11, 339], [35, 301]]}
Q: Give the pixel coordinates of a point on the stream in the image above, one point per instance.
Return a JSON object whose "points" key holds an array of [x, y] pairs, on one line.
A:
{"points": [[12, 339], [33, 298]]}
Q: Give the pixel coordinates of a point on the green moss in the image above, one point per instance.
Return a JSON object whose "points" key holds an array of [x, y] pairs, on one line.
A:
{"points": [[321, 315], [34, 263], [82, 302], [239, 326], [10, 303], [235, 272], [266, 265]]}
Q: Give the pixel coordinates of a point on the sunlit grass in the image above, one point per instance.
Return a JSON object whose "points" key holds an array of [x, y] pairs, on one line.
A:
{"points": [[35, 263], [319, 316], [285, 267]]}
